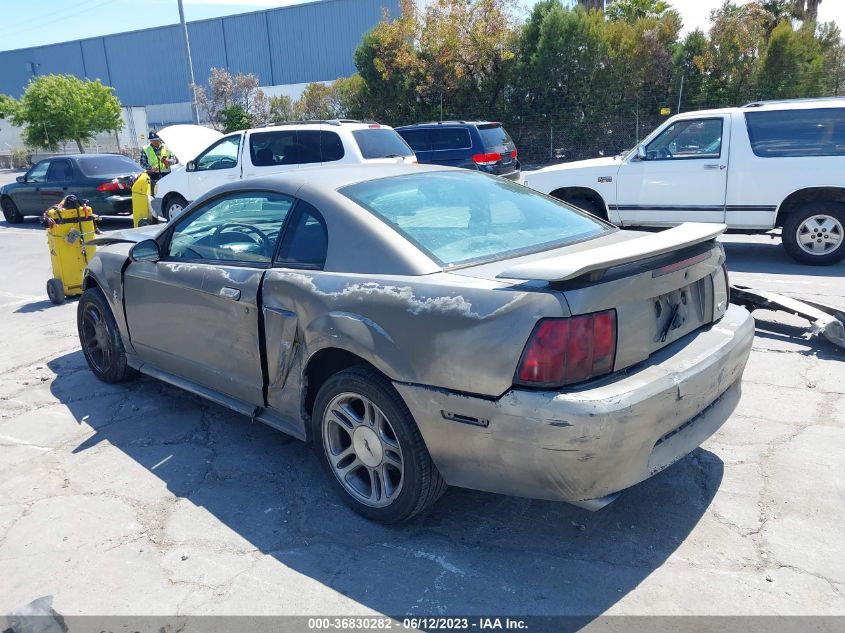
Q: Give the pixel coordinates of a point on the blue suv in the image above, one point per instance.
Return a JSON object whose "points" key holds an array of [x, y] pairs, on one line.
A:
{"points": [[480, 145]]}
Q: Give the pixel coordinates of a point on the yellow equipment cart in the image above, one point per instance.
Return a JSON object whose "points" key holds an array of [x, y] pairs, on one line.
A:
{"points": [[69, 225], [142, 213]]}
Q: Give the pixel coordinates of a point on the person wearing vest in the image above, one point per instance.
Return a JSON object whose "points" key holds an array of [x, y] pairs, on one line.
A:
{"points": [[156, 159]]}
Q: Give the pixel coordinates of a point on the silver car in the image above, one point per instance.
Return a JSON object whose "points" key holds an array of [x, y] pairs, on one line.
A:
{"points": [[425, 326]]}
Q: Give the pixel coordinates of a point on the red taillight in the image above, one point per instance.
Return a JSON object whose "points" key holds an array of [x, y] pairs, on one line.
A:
{"points": [[374, 126], [112, 185], [487, 159], [513, 154], [565, 351]]}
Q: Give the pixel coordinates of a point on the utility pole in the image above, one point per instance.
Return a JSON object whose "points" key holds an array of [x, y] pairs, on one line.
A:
{"points": [[189, 63], [680, 93]]}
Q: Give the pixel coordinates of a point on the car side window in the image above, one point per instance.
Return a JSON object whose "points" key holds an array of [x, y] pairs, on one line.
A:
{"points": [[688, 139], [240, 227], [331, 147], [39, 172], [222, 155], [308, 142], [417, 139], [450, 138], [791, 133], [60, 170], [305, 241]]}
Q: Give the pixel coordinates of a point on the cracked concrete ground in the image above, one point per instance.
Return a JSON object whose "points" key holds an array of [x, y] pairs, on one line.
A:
{"points": [[141, 499]]}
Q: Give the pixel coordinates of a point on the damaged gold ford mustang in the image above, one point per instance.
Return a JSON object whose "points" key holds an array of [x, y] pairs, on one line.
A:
{"points": [[426, 326]]}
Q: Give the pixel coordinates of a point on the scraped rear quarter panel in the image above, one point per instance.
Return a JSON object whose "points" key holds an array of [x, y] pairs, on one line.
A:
{"points": [[440, 330]]}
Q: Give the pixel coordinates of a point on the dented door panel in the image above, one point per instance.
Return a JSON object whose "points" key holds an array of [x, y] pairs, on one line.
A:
{"points": [[198, 321]]}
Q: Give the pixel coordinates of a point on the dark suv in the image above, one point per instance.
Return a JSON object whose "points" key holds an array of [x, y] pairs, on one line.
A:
{"points": [[480, 145]]}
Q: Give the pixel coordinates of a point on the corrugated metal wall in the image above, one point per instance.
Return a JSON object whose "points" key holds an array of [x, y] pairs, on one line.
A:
{"points": [[296, 44]]}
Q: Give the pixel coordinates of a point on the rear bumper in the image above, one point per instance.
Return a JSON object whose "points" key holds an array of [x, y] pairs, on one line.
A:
{"points": [[115, 205], [586, 444]]}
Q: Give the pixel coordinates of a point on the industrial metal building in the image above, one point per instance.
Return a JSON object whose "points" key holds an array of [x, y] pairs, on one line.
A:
{"points": [[286, 47]]}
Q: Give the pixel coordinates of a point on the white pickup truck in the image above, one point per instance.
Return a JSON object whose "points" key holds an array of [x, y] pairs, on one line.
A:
{"points": [[763, 166]]}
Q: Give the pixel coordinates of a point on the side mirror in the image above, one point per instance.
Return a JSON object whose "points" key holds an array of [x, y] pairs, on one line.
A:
{"points": [[190, 166], [20, 179], [641, 153], [145, 251]]}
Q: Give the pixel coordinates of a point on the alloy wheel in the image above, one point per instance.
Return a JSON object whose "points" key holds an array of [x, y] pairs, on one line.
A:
{"points": [[96, 339], [363, 450], [820, 234]]}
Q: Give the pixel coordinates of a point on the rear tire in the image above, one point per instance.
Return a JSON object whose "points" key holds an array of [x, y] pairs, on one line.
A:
{"points": [[55, 291], [814, 234], [10, 211], [100, 338], [173, 205], [371, 448]]}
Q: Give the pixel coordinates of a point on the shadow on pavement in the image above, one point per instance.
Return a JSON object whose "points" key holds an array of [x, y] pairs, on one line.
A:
{"points": [[770, 257], [474, 553], [40, 306], [816, 346]]}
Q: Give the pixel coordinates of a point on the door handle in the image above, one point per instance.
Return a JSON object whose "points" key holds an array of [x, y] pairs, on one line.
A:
{"points": [[710, 166], [230, 293]]}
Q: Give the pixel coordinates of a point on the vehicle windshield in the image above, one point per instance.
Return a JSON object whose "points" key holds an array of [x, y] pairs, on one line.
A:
{"points": [[467, 217], [381, 143], [107, 166]]}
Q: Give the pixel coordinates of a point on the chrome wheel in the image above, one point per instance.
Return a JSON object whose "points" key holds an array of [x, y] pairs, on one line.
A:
{"points": [[363, 450], [820, 234], [96, 341]]}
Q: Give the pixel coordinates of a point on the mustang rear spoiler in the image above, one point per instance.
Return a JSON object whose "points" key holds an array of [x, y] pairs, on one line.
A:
{"points": [[566, 267]]}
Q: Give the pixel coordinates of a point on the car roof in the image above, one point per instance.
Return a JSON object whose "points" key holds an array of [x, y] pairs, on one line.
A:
{"points": [[446, 123], [343, 124], [773, 105], [75, 157]]}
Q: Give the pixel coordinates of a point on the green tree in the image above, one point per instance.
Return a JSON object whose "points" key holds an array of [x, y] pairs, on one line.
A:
{"points": [[234, 118], [316, 102], [792, 64], [633, 10], [348, 97], [388, 61], [282, 108], [56, 109], [7, 106]]}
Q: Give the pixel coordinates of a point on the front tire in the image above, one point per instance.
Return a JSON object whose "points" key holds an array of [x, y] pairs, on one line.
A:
{"points": [[100, 338], [10, 211], [815, 233], [173, 206], [367, 440]]}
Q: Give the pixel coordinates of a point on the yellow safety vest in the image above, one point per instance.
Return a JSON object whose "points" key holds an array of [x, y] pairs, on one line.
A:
{"points": [[156, 161]]}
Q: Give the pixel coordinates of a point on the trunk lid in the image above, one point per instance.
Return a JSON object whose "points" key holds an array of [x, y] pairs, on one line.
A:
{"points": [[662, 286]]}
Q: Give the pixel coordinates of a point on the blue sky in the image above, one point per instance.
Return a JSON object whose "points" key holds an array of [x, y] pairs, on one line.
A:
{"points": [[48, 21]]}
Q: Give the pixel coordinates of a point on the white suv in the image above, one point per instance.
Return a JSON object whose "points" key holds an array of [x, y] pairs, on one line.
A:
{"points": [[762, 166], [270, 150]]}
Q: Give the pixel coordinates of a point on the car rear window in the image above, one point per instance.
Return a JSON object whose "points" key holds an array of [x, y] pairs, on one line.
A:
{"points": [[494, 135], [93, 166], [465, 217], [782, 133], [381, 143]]}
